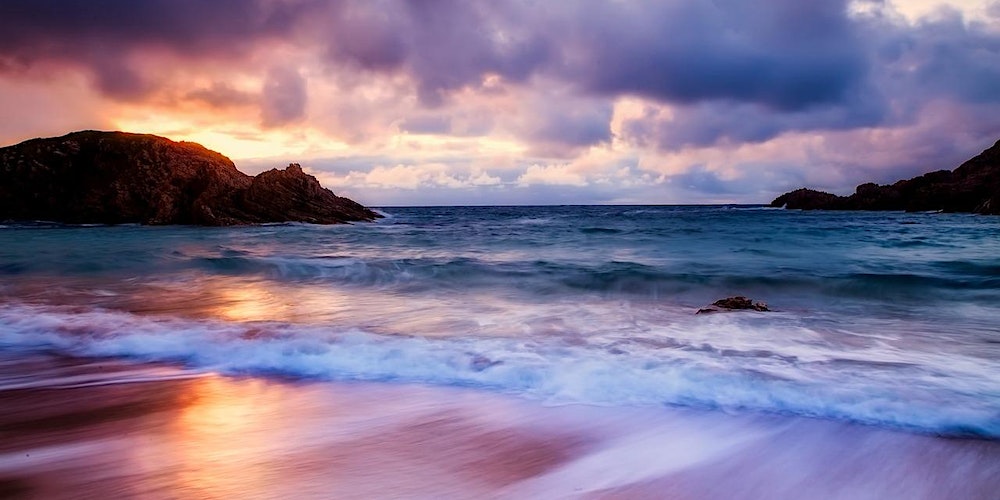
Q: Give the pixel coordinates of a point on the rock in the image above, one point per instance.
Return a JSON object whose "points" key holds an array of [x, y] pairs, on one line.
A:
{"points": [[972, 187], [806, 199], [294, 195], [480, 363], [736, 303], [117, 177]]}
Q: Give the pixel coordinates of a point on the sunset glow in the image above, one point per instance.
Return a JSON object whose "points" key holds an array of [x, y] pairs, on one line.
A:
{"points": [[523, 103]]}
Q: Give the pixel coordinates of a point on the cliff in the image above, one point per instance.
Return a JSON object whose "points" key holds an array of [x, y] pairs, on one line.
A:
{"points": [[117, 177], [972, 187]]}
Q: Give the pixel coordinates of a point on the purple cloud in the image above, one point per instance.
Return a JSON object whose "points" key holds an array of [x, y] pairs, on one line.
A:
{"points": [[221, 95], [730, 72], [284, 97], [104, 35], [445, 45], [783, 54]]}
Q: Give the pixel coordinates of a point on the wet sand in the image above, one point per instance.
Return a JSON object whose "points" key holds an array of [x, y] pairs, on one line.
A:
{"points": [[73, 428]]}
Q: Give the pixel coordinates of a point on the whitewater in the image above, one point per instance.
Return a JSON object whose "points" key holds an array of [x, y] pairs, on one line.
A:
{"points": [[884, 319]]}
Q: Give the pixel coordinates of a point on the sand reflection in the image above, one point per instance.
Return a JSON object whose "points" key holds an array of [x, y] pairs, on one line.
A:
{"points": [[224, 438]]}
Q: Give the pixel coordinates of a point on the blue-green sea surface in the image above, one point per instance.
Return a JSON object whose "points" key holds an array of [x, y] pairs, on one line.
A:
{"points": [[888, 319]]}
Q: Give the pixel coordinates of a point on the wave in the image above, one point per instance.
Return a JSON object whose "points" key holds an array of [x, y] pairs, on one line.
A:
{"points": [[533, 221], [618, 277], [627, 371], [538, 276], [688, 279], [600, 230], [912, 283]]}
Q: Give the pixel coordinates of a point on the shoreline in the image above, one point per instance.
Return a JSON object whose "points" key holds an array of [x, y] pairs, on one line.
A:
{"points": [[80, 431]]}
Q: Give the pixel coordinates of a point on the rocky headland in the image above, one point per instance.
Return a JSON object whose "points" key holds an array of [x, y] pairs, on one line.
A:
{"points": [[972, 187], [117, 177]]}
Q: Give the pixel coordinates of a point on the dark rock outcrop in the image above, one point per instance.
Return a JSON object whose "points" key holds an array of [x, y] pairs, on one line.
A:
{"points": [[972, 187], [117, 177], [293, 195], [808, 199], [737, 303]]}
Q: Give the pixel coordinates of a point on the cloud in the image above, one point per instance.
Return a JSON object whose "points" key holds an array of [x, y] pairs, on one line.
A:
{"points": [[444, 46], [725, 98], [284, 97], [910, 67], [783, 54], [410, 177], [560, 126], [717, 123], [946, 56], [221, 95], [993, 10], [427, 124], [108, 37], [560, 175]]}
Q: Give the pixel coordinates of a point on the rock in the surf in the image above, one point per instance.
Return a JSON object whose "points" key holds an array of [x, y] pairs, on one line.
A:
{"points": [[737, 303]]}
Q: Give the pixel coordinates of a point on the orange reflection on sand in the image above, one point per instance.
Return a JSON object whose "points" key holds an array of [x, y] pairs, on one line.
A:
{"points": [[222, 438]]}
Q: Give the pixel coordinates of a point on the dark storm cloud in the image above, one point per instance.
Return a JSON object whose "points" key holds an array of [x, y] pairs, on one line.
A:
{"points": [[734, 70], [702, 180], [559, 125], [786, 54], [909, 66], [952, 58], [113, 76], [104, 35], [37, 28], [714, 122], [783, 53], [445, 45]]}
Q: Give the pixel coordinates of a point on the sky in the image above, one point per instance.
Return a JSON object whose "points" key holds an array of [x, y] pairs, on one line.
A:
{"points": [[448, 102]]}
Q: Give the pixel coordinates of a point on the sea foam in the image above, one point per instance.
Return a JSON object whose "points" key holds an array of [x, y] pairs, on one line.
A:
{"points": [[599, 371]]}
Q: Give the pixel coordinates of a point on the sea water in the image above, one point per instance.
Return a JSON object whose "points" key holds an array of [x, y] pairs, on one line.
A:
{"points": [[884, 319]]}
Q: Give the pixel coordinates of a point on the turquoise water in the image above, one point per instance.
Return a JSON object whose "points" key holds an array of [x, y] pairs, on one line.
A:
{"points": [[888, 319]]}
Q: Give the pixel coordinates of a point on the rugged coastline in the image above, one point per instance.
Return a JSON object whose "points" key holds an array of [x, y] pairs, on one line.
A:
{"points": [[973, 187], [116, 177]]}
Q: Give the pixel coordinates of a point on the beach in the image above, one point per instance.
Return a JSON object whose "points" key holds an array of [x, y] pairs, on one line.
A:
{"points": [[680, 250], [504, 352], [109, 429]]}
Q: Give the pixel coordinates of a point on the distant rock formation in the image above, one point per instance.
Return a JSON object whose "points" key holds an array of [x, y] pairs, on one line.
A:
{"points": [[117, 177], [972, 187], [737, 303]]}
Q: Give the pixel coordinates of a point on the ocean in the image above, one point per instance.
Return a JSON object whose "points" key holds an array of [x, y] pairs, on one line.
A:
{"points": [[882, 324]]}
